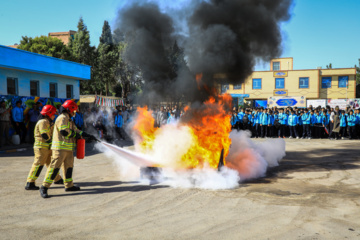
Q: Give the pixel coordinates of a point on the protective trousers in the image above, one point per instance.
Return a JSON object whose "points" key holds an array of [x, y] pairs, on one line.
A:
{"points": [[58, 158], [42, 157]]}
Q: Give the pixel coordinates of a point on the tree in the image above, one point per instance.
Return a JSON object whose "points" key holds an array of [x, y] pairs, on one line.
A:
{"points": [[108, 56], [358, 72], [329, 66], [85, 54], [45, 45]]}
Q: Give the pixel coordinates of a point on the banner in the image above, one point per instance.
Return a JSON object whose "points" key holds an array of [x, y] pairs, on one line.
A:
{"points": [[316, 102], [342, 103], [108, 102], [282, 102], [354, 103], [281, 74], [280, 92]]}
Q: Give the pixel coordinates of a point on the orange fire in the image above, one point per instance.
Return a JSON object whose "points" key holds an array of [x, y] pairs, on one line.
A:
{"points": [[209, 125]]}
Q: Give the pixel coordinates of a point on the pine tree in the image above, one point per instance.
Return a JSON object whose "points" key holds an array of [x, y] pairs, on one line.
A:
{"points": [[85, 54], [108, 56]]}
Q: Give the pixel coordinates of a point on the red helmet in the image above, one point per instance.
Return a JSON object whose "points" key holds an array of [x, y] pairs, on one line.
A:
{"points": [[70, 105], [48, 110]]}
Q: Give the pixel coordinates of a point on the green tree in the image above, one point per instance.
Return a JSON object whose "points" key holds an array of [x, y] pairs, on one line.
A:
{"points": [[108, 56], [329, 66], [45, 45], [358, 72], [85, 54]]}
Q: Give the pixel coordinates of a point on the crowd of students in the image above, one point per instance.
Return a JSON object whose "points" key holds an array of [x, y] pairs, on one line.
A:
{"points": [[298, 123]]}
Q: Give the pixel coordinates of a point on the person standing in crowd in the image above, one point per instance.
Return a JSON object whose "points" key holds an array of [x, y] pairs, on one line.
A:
{"points": [[125, 114], [33, 118], [18, 118], [42, 153], [65, 135], [271, 124], [299, 127], [335, 120], [240, 116], [78, 119], [351, 122], [233, 119], [257, 119], [4, 123], [357, 127], [343, 124], [264, 122], [161, 117], [172, 118], [312, 124], [318, 125], [283, 118], [119, 123], [292, 122]]}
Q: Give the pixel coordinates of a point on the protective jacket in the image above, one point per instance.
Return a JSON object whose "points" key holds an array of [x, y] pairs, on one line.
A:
{"points": [[306, 118], [65, 133], [342, 120], [43, 133]]}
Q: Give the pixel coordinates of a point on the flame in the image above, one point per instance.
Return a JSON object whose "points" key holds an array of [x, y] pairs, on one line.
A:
{"points": [[209, 125]]}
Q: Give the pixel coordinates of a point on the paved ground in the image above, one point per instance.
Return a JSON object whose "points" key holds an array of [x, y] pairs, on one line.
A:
{"points": [[313, 194]]}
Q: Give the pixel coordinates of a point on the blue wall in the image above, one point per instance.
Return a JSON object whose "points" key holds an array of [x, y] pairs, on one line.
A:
{"points": [[22, 60], [24, 79]]}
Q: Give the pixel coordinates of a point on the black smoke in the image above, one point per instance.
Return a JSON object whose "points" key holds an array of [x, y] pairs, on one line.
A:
{"points": [[223, 36]]}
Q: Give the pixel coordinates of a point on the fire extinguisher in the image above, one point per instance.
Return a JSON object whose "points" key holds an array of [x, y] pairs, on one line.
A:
{"points": [[80, 150]]}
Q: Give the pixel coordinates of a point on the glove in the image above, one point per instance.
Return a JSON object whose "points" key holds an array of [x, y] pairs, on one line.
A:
{"points": [[89, 136]]}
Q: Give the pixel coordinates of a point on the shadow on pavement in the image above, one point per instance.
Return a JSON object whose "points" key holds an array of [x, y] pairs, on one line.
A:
{"points": [[319, 160], [90, 191]]}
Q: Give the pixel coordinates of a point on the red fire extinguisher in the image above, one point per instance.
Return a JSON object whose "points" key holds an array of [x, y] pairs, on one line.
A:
{"points": [[80, 150]]}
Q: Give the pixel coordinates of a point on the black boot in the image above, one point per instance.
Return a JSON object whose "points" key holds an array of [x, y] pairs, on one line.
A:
{"points": [[72, 189], [43, 192], [31, 186], [61, 181]]}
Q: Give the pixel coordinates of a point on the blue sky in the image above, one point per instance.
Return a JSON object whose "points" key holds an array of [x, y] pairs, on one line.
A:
{"points": [[320, 31]]}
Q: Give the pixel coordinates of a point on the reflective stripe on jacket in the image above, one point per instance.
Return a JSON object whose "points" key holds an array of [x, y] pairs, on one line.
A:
{"points": [[42, 126], [60, 142]]}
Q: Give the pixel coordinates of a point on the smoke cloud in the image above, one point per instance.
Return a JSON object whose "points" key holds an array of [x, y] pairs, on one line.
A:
{"points": [[218, 36]]}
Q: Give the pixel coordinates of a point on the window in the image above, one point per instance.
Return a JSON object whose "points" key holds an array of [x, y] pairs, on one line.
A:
{"points": [[256, 84], [343, 81], [69, 91], [224, 88], [304, 82], [53, 90], [34, 88], [12, 86], [276, 66], [237, 86], [326, 82], [279, 83]]}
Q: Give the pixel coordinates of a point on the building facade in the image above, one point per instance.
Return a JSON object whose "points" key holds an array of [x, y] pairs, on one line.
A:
{"points": [[63, 36], [27, 74], [283, 80]]}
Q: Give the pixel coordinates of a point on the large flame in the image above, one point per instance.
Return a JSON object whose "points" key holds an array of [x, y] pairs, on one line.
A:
{"points": [[209, 125]]}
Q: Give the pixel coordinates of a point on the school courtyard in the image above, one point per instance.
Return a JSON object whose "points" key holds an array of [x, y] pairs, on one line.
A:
{"points": [[313, 194]]}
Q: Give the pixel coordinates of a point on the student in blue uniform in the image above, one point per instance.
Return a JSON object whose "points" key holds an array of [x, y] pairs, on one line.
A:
{"points": [[264, 122], [306, 118], [240, 117], [283, 118], [292, 122], [318, 125], [351, 122]]}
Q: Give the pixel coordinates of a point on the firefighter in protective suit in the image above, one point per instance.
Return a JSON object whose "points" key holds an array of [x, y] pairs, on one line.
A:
{"points": [[65, 135], [43, 137]]}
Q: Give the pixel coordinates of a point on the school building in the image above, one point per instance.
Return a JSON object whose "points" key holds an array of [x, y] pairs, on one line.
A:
{"points": [[30, 76], [283, 80]]}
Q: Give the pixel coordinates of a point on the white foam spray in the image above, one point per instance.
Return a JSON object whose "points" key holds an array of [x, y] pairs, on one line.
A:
{"points": [[246, 160]]}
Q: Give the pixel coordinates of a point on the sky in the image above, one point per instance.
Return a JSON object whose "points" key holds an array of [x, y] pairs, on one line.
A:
{"points": [[319, 32]]}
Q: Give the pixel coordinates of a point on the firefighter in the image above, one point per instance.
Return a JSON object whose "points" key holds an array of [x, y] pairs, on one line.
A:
{"points": [[43, 135], [64, 141]]}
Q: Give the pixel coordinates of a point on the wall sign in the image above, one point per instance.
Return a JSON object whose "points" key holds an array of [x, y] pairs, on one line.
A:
{"points": [[281, 74]]}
